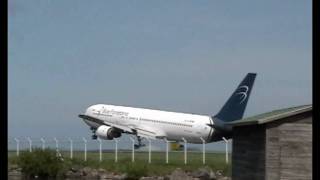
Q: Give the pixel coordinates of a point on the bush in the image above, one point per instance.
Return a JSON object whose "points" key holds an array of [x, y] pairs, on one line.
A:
{"points": [[41, 163], [135, 171]]}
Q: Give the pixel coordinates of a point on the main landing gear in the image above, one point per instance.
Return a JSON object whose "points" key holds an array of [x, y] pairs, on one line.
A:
{"points": [[136, 146]]}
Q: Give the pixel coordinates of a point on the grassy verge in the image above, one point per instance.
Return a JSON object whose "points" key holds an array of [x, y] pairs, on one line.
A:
{"points": [[141, 167]]}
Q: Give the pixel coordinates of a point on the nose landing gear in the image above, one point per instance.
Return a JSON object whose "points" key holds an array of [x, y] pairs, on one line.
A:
{"points": [[94, 136]]}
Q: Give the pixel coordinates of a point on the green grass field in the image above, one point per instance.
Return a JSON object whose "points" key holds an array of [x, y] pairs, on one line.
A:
{"points": [[158, 165]]}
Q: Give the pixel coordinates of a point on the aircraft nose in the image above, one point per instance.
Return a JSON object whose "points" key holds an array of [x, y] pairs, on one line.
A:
{"points": [[89, 110]]}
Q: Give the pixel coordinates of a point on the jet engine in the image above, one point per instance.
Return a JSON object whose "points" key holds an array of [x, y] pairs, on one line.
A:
{"points": [[107, 132]]}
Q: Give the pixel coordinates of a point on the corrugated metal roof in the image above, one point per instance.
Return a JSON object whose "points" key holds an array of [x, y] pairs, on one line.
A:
{"points": [[271, 116]]}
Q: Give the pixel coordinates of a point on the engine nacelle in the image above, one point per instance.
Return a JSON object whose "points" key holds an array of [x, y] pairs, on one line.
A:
{"points": [[107, 132]]}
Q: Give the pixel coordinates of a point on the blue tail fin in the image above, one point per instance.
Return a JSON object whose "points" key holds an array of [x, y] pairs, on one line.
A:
{"points": [[234, 108]]}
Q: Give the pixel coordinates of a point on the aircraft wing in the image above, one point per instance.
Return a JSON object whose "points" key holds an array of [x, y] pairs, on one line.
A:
{"points": [[150, 132], [141, 130], [99, 121]]}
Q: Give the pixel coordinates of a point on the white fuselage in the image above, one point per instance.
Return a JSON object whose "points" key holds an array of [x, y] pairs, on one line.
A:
{"points": [[175, 126]]}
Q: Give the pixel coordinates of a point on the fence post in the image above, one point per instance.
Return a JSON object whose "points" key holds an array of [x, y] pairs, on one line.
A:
{"points": [[149, 159], [132, 148], [100, 150], [43, 143], [167, 150], [116, 150], [57, 146], [71, 148], [226, 141], [85, 148], [18, 144], [185, 150], [203, 150], [30, 144]]}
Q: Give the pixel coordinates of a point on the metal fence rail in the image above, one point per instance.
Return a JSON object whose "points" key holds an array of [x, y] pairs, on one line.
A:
{"points": [[66, 147]]}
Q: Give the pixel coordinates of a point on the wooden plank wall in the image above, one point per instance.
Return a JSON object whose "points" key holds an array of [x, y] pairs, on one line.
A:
{"points": [[295, 151], [272, 152], [286, 140], [277, 150], [248, 153]]}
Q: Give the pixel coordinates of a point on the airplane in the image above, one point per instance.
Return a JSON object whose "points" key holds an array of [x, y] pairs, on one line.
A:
{"points": [[110, 121]]}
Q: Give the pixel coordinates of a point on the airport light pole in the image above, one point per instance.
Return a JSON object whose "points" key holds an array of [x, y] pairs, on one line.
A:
{"points": [[18, 145], [226, 141], [203, 150], [116, 150], [167, 150], [71, 148], [185, 150], [43, 143], [30, 144], [149, 159], [132, 148], [85, 148], [100, 149]]}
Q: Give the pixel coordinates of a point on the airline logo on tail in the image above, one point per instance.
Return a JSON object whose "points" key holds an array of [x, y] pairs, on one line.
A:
{"points": [[243, 93]]}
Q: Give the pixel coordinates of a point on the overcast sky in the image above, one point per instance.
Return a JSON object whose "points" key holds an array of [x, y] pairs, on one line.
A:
{"points": [[184, 56]]}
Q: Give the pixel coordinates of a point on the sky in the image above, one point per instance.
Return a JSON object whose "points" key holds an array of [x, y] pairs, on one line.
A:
{"points": [[183, 56]]}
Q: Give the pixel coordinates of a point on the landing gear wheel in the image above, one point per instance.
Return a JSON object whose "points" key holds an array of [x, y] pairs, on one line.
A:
{"points": [[136, 146]]}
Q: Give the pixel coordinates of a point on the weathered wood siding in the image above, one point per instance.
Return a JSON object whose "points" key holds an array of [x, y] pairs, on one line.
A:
{"points": [[295, 151], [281, 149], [272, 152], [289, 141], [248, 156]]}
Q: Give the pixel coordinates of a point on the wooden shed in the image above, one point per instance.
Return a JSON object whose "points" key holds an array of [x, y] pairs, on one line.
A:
{"points": [[273, 145]]}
